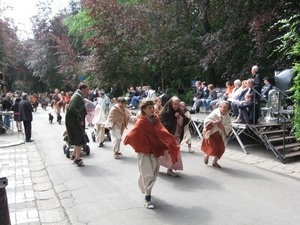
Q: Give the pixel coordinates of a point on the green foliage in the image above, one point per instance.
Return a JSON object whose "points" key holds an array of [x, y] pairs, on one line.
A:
{"points": [[296, 97], [186, 97], [290, 47], [78, 27]]}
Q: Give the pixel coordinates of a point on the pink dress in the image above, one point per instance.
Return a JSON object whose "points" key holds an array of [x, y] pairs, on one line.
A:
{"points": [[90, 110], [166, 160]]}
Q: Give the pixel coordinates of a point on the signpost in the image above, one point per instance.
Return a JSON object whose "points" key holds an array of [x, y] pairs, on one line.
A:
{"points": [[193, 83], [81, 78]]}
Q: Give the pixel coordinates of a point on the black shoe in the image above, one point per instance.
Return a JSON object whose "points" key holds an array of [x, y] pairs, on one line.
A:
{"points": [[29, 140], [101, 144], [192, 112]]}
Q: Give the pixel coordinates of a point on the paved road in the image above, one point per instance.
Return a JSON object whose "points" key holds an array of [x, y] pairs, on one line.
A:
{"points": [[105, 191]]}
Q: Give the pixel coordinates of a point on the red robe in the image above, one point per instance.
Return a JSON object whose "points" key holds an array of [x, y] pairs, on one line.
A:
{"points": [[155, 139]]}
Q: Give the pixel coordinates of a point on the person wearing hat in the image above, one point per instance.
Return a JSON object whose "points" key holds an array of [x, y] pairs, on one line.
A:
{"points": [[265, 89]]}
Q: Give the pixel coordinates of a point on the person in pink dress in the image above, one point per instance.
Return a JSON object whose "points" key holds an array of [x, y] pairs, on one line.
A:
{"points": [[90, 109], [174, 120]]}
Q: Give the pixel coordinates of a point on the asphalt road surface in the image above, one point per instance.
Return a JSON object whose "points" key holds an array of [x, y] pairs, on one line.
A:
{"points": [[105, 191]]}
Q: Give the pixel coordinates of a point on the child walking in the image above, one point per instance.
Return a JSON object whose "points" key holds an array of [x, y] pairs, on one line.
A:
{"points": [[150, 139], [99, 121]]}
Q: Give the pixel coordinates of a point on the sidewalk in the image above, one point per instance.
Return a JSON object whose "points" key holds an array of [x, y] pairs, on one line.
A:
{"points": [[30, 193]]}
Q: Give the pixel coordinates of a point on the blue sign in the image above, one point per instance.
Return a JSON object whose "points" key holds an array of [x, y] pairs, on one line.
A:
{"points": [[81, 78], [193, 83]]}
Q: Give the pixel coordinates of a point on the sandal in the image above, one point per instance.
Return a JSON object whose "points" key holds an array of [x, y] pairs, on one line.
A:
{"points": [[119, 153], [117, 157], [216, 165], [79, 162], [72, 157], [205, 159], [171, 173]]}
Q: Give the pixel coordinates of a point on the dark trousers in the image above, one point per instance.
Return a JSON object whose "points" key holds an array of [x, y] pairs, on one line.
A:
{"points": [[27, 128]]}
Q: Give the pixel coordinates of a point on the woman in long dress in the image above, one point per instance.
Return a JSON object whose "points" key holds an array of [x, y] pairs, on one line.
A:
{"points": [[90, 110], [174, 120], [217, 126]]}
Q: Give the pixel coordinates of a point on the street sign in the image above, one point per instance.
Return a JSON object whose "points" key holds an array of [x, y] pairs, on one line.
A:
{"points": [[81, 78], [193, 83]]}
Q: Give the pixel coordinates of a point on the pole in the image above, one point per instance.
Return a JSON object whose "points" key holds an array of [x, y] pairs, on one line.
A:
{"points": [[4, 212]]}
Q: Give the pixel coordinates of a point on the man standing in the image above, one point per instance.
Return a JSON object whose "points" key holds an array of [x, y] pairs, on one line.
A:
{"points": [[75, 121], [95, 94], [25, 114], [256, 78]]}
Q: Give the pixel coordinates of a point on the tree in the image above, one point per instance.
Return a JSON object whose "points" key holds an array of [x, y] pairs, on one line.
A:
{"points": [[10, 52], [289, 46], [43, 60]]}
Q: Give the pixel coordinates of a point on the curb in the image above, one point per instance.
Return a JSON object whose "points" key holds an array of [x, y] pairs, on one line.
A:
{"points": [[11, 144]]}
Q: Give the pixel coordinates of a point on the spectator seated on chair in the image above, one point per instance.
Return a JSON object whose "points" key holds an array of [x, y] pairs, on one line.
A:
{"points": [[198, 94], [248, 111], [202, 95], [265, 90], [139, 95], [131, 93], [150, 93], [248, 90], [212, 95], [238, 88], [229, 89]]}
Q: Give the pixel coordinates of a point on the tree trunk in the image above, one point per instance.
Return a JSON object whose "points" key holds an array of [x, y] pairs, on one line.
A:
{"points": [[210, 73], [210, 76]]}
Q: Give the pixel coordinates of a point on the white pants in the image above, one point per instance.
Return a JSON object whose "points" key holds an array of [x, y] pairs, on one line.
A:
{"points": [[116, 137], [148, 171], [100, 132]]}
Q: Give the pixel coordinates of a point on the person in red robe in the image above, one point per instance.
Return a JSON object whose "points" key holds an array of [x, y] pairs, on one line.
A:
{"points": [[150, 139]]}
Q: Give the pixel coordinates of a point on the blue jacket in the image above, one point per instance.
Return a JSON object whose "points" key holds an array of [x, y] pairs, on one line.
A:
{"points": [[265, 90], [249, 107]]}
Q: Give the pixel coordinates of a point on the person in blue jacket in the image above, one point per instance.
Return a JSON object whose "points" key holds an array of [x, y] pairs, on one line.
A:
{"points": [[248, 111]]}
